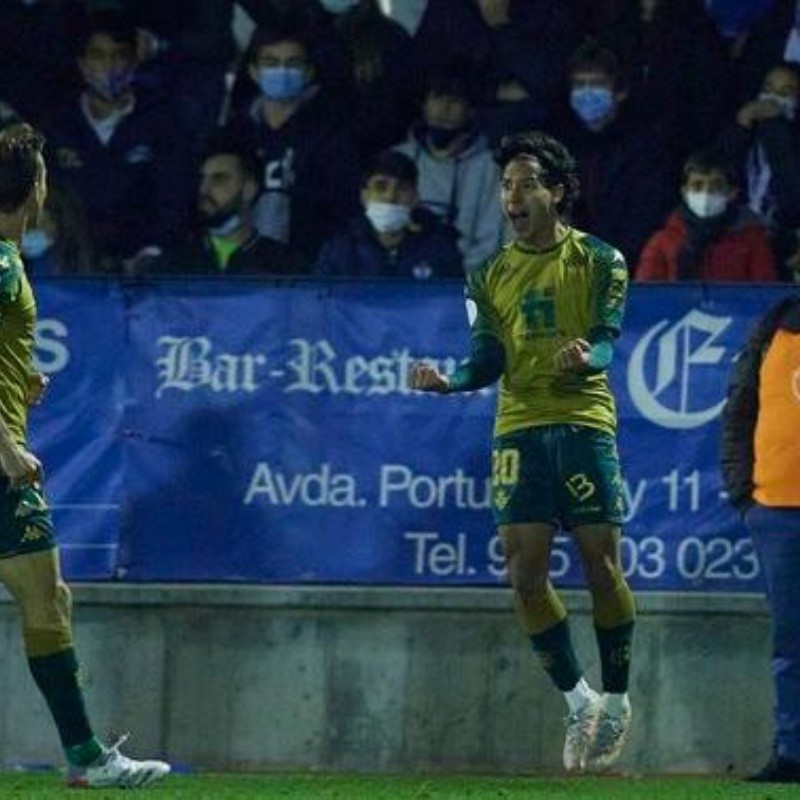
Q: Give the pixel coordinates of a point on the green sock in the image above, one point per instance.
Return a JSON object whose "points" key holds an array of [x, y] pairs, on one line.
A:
{"points": [[615, 656], [554, 649], [57, 678]]}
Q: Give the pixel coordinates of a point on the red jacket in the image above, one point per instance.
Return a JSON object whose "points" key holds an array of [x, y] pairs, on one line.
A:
{"points": [[742, 253]]}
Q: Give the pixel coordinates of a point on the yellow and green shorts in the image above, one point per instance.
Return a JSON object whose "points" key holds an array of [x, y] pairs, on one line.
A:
{"points": [[25, 522], [565, 475]]}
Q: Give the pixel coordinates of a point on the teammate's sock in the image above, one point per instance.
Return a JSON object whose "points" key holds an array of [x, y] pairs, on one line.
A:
{"points": [[615, 656], [554, 649], [578, 697], [56, 676]]}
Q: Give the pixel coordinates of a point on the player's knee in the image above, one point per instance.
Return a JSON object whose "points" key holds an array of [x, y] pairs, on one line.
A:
{"points": [[603, 575]]}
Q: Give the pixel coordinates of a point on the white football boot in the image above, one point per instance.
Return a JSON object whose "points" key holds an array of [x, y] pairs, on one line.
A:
{"points": [[112, 769]]}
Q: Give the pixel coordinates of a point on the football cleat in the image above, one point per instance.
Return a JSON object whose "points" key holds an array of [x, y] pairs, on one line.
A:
{"points": [[612, 731], [581, 729], [112, 769]]}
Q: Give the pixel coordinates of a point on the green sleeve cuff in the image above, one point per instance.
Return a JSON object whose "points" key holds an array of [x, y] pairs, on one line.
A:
{"points": [[484, 367]]}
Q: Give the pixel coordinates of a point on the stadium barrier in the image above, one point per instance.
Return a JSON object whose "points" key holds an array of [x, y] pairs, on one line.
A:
{"points": [[251, 432]]}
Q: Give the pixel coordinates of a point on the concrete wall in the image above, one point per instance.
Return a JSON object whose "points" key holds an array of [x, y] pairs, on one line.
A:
{"points": [[374, 679]]}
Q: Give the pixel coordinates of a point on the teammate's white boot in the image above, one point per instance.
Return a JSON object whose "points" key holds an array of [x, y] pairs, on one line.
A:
{"points": [[112, 769]]}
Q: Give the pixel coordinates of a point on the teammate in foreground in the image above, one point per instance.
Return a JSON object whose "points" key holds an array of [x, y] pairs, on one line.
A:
{"points": [[545, 311], [29, 562]]}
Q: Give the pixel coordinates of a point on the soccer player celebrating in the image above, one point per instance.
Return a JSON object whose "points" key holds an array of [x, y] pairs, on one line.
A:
{"points": [[29, 563], [545, 311]]}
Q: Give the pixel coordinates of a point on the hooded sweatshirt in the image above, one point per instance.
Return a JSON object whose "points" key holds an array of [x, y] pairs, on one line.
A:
{"points": [[462, 191]]}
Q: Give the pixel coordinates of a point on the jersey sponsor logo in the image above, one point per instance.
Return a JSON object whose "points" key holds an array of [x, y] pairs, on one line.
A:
{"points": [[667, 367], [539, 312]]}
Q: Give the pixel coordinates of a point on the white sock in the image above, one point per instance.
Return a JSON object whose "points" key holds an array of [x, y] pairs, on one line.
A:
{"points": [[616, 704], [578, 696]]}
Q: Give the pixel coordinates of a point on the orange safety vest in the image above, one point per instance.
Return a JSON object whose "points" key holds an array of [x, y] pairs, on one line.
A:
{"points": [[776, 472]]}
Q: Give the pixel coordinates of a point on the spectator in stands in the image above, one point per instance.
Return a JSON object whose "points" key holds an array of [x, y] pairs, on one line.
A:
{"points": [[311, 174], [59, 244], [626, 177], [378, 55], [185, 48], [392, 237], [520, 47], [458, 176], [673, 54], [765, 143], [120, 149], [228, 243], [711, 236], [760, 465], [773, 38]]}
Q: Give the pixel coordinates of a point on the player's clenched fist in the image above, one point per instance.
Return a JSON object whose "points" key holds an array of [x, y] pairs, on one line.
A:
{"points": [[573, 356], [425, 378]]}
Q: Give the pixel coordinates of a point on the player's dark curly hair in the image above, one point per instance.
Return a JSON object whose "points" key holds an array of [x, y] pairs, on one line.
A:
{"points": [[559, 165], [20, 148]]}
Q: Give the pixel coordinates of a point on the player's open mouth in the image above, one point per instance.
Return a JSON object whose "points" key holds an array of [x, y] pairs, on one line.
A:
{"points": [[518, 218]]}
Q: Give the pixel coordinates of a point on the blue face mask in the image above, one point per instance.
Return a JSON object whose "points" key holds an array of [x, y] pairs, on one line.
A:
{"points": [[592, 103], [110, 85], [282, 83], [35, 243]]}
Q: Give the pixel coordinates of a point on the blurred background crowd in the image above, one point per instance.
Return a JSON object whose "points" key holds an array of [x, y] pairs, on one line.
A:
{"points": [[356, 137]]}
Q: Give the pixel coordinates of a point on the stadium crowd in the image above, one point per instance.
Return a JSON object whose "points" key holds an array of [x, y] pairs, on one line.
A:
{"points": [[357, 137]]}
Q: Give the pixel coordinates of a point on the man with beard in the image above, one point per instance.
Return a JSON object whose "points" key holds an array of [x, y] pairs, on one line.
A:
{"points": [[227, 242]]}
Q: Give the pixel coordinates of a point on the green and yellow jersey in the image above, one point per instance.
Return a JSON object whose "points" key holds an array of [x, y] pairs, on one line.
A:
{"points": [[17, 328], [531, 303]]}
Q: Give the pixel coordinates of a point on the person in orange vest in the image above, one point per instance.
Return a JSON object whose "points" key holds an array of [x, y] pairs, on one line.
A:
{"points": [[760, 469]]}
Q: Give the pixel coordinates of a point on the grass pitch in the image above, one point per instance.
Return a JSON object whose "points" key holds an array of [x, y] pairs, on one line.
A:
{"points": [[347, 787]]}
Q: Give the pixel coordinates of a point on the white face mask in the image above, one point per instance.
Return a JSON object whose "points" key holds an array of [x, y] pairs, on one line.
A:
{"points": [[387, 217], [787, 105], [706, 204]]}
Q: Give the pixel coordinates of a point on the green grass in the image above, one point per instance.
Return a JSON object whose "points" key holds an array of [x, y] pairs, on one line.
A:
{"points": [[348, 787]]}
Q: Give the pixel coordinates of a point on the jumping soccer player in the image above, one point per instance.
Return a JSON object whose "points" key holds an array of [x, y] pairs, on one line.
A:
{"points": [[29, 562], [545, 311]]}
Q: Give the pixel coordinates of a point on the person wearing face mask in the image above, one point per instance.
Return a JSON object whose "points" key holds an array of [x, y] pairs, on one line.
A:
{"points": [[311, 165], [622, 155], [227, 242], [392, 236], [764, 143], [710, 236], [457, 172], [59, 243], [121, 149]]}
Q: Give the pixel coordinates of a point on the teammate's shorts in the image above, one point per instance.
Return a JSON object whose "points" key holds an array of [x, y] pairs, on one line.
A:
{"points": [[25, 522], [565, 475]]}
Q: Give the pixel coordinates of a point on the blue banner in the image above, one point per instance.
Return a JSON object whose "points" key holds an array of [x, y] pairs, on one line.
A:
{"points": [[76, 430], [243, 432]]}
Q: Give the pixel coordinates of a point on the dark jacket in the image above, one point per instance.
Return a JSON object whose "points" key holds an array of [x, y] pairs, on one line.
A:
{"points": [[137, 188], [627, 181], [428, 251], [257, 256], [740, 414], [311, 165], [780, 140]]}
